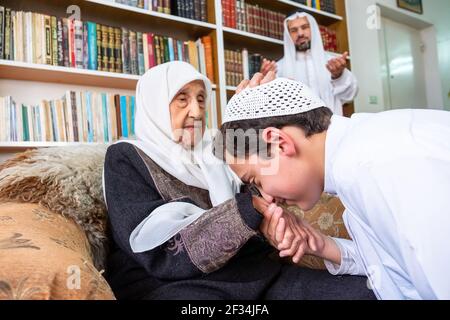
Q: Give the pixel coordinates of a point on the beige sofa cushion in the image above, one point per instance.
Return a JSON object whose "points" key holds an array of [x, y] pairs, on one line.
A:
{"points": [[45, 256]]}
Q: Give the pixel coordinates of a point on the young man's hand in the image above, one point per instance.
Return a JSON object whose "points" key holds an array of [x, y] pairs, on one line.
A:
{"points": [[294, 237]]}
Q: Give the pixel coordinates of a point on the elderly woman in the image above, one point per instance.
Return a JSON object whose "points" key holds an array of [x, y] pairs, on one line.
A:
{"points": [[180, 229]]}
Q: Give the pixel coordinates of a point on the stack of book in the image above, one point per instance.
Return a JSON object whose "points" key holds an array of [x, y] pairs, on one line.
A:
{"points": [[90, 117], [37, 38], [324, 5], [329, 38], [240, 15], [191, 9], [240, 65], [76, 117]]}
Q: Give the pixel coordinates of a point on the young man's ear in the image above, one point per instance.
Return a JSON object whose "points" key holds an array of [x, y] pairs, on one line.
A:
{"points": [[280, 140]]}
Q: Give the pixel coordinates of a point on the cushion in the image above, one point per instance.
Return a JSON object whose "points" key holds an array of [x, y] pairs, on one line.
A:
{"points": [[65, 180], [326, 217], [48, 256]]}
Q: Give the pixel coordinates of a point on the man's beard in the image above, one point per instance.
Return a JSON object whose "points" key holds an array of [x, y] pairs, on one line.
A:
{"points": [[305, 46]]}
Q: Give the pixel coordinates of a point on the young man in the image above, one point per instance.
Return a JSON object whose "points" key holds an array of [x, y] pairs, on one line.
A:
{"points": [[391, 171]]}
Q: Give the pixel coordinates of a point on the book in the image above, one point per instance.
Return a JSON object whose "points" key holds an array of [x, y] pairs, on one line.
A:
{"points": [[92, 45]]}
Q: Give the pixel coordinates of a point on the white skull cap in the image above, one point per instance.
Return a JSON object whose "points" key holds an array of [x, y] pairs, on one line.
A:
{"points": [[280, 97]]}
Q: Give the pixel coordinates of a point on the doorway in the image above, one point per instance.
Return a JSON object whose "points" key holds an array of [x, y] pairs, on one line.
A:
{"points": [[402, 65]]}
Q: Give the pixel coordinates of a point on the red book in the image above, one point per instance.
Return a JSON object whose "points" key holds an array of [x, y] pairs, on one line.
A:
{"points": [[151, 51], [73, 62], [233, 13], [225, 13]]}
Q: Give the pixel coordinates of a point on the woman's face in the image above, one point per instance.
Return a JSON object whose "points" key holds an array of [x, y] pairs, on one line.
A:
{"points": [[187, 112]]}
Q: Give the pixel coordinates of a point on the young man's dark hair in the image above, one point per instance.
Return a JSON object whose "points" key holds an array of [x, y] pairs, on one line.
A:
{"points": [[311, 122]]}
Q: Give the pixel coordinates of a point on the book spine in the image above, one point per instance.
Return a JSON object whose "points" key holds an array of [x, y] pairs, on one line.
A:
{"points": [[171, 49], [207, 42], [99, 48], [204, 10], [140, 47], [118, 49], [105, 48], [133, 53], [2, 32], [197, 10], [78, 26], [166, 5], [92, 45], [54, 30], [151, 50], [117, 109], [85, 46], [126, 51], [111, 51], [48, 40], [8, 38], [123, 116], [60, 49], [156, 42]]}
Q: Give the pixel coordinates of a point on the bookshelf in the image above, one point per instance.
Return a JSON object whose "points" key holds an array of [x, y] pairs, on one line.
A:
{"points": [[121, 15]]}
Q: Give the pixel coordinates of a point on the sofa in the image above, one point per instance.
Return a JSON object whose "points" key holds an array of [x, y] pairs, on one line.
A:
{"points": [[53, 221]]}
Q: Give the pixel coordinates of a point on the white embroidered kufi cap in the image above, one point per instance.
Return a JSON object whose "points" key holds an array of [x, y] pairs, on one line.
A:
{"points": [[280, 97]]}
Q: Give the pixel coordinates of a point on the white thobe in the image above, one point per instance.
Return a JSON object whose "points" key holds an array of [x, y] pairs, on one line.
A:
{"points": [[344, 89], [392, 173]]}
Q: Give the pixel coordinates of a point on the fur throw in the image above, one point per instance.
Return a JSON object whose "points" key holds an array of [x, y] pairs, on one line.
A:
{"points": [[66, 180]]}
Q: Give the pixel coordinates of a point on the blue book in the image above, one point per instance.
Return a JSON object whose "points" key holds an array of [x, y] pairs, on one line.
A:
{"points": [[38, 123], [171, 49], [180, 50], [90, 118], [92, 45], [133, 110], [105, 117], [54, 120], [123, 116]]}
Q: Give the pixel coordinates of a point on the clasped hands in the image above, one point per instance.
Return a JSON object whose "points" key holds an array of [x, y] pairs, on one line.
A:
{"points": [[289, 234]]}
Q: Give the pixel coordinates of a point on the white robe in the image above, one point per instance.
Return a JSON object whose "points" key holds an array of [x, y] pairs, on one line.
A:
{"points": [[392, 172], [343, 89]]}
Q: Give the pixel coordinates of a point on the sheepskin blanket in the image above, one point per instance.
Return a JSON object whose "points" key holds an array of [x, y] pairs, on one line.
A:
{"points": [[66, 180]]}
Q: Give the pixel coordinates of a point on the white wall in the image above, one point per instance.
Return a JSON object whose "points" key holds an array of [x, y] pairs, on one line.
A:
{"points": [[365, 51]]}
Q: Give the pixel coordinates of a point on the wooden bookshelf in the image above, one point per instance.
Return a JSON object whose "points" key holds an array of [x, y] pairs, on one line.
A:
{"points": [[120, 15]]}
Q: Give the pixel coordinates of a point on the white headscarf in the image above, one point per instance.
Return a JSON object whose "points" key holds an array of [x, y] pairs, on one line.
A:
{"points": [[155, 91], [297, 70]]}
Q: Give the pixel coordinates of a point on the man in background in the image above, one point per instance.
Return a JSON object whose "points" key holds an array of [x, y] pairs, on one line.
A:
{"points": [[306, 61]]}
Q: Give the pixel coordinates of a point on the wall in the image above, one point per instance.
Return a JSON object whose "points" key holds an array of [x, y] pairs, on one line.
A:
{"points": [[365, 52]]}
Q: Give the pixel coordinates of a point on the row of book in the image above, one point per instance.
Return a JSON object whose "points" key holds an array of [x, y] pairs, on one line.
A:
{"points": [[329, 38], [76, 117], [37, 38], [240, 65], [90, 117], [323, 5], [240, 15], [191, 9]]}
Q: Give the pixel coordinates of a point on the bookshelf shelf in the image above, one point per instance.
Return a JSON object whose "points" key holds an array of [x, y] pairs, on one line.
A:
{"points": [[231, 33], [20, 146], [288, 6], [171, 21], [311, 10], [16, 70]]}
